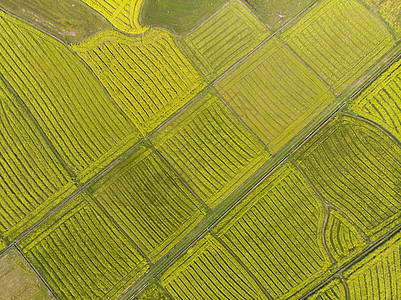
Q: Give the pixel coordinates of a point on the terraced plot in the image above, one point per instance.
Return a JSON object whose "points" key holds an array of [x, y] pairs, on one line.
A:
{"points": [[68, 103], [355, 166], [148, 200], [70, 20], [180, 16], [340, 40], [224, 39], [342, 238], [378, 276], [275, 94], [32, 178], [18, 280], [390, 11], [82, 255], [333, 291], [208, 271], [381, 101], [276, 233], [123, 14], [147, 75], [210, 149]]}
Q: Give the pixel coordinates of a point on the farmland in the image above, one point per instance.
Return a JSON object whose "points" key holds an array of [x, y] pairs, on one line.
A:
{"points": [[381, 101], [123, 14], [200, 150], [62, 98], [224, 39], [208, 271], [81, 253], [266, 231], [31, 175], [265, 92], [357, 179], [148, 200], [179, 16], [147, 75], [342, 238], [378, 275], [390, 11], [18, 280], [70, 20], [331, 41], [210, 149]]}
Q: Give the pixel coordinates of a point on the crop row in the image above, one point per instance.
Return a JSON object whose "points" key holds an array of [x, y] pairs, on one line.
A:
{"points": [[355, 166], [30, 173], [275, 232], [390, 11], [148, 76], [208, 271], [82, 254], [224, 39], [211, 150], [68, 103], [334, 290], [147, 199], [378, 275], [123, 14], [342, 238], [275, 94], [340, 40], [381, 101]]}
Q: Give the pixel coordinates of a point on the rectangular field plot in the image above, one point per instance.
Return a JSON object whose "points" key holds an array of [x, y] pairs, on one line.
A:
{"points": [[378, 275], [150, 202], [62, 95], [340, 40], [123, 14], [32, 178], [275, 94], [276, 233], [210, 149], [82, 255], [381, 101], [356, 166], [147, 75], [224, 39], [208, 271]]}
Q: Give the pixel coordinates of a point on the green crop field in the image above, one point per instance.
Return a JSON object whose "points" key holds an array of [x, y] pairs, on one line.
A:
{"points": [[149, 201], [71, 107], [224, 39], [200, 149], [342, 238], [378, 276], [276, 13], [82, 254], [390, 11], [70, 20], [32, 179], [179, 16], [123, 14], [356, 167], [210, 149], [381, 101], [147, 75], [275, 94], [275, 232], [208, 271], [339, 40]]}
